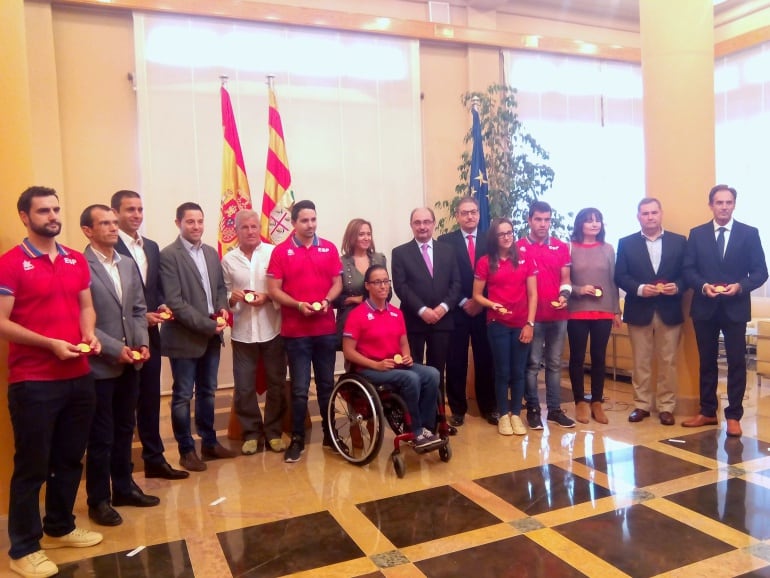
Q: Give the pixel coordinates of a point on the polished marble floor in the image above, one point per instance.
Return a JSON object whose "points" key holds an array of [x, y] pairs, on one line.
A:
{"points": [[610, 500]]}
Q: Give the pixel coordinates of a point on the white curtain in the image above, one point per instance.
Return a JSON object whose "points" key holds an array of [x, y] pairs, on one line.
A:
{"points": [[349, 105]]}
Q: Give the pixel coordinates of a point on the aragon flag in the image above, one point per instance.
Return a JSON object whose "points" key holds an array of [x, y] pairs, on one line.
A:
{"points": [[235, 185], [278, 197]]}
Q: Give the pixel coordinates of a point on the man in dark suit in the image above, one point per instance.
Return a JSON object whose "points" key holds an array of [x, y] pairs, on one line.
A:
{"points": [[469, 322], [121, 327], [427, 281], [723, 264], [145, 254], [649, 270], [195, 291]]}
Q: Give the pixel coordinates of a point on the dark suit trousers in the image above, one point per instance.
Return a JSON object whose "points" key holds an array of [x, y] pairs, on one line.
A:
{"points": [[431, 348], [474, 330], [112, 431], [707, 337], [148, 404]]}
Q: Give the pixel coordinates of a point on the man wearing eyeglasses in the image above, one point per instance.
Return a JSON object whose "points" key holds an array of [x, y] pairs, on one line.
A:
{"points": [[469, 326], [427, 281]]}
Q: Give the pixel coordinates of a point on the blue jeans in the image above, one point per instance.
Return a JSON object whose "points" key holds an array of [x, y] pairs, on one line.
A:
{"points": [[546, 348], [418, 385], [51, 421], [321, 351], [198, 374], [510, 356]]}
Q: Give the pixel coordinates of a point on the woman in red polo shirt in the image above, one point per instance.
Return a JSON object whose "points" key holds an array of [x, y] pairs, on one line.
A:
{"points": [[511, 302], [375, 343]]}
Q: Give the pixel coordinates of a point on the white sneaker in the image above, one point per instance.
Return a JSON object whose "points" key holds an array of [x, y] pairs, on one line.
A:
{"points": [[504, 425], [78, 538], [35, 565], [517, 426]]}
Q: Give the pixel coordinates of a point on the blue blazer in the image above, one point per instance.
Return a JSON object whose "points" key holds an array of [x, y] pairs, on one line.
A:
{"points": [[744, 263]]}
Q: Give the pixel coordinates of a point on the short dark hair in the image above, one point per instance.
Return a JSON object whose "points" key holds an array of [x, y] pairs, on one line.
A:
{"points": [[118, 197], [184, 207], [539, 207], [301, 206], [372, 269], [24, 204], [583, 216], [467, 199], [87, 216], [718, 188]]}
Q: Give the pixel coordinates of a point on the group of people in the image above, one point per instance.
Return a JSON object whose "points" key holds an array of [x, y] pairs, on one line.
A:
{"points": [[87, 331]]}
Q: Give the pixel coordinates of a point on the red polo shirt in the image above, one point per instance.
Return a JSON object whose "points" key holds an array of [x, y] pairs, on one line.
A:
{"points": [[377, 332], [46, 301], [508, 287], [550, 257], [307, 274]]}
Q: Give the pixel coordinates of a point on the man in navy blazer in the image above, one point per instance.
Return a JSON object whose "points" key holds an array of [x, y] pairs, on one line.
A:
{"points": [[723, 264], [469, 322], [145, 254], [649, 270], [194, 286], [121, 327], [427, 281]]}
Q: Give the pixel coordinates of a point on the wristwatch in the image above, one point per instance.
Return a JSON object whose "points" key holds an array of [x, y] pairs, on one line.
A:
{"points": [[531, 323]]}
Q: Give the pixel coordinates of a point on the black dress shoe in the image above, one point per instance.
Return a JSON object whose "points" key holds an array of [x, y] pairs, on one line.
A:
{"points": [[135, 497], [638, 415], [457, 420], [492, 418], [104, 514], [452, 430], [165, 471]]}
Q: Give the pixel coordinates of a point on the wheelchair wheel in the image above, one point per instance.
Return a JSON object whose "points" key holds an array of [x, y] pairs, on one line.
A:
{"points": [[394, 410], [355, 420], [398, 464], [445, 452]]}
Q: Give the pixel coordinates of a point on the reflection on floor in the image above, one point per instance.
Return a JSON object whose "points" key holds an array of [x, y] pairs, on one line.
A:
{"points": [[610, 500]]}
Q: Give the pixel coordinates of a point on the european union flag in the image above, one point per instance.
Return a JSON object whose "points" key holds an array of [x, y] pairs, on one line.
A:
{"points": [[479, 184]]}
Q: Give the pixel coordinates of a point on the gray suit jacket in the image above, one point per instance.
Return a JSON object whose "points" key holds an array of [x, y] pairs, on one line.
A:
{"points": [[117, 323], [188, 334]]}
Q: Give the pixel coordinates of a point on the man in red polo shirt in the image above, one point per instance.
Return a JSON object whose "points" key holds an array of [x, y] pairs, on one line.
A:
{"points": [[48, 318], [304, 277]]}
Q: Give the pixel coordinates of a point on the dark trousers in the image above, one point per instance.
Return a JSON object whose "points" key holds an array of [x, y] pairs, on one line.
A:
{"points": [[148, 405], [51, 421], [246, 358], [707, 338], [112, 431], [431, 348], [474, 330], [578, 332]]}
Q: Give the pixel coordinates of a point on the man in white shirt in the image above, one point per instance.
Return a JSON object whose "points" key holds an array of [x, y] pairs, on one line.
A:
{"points": [[256, 337]]}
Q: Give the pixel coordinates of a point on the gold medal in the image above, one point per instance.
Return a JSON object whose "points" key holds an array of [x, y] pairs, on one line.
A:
{"points": [[249, 297], [84, 348], [398, 359], [136, 355], [317, 306]]}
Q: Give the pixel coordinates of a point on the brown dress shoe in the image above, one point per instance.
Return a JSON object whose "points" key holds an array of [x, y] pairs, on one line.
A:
{"points": [[699, 421], [190, 461], [597, 412], [666, 418], [734, 428], [638, 415], [217, 452], [582, 411]]}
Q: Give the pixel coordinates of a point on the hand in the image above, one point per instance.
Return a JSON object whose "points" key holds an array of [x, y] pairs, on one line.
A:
{"points": [[649, 290], [353, 300], [617, 321], [732, 289], [153, 318], [96, 346], [440, 312], [385, 365], [407, 361], [429, 316], [472, 308], [526, 334], [670, 289], [145, 351], [237, 296], [588, 290], [126, 355], [709, 290], [64, 350]]}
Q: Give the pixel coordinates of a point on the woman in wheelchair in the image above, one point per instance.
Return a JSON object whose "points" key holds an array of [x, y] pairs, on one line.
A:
{"points": [[374, 342]]}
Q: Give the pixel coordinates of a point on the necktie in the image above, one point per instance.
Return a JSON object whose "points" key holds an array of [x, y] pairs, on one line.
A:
{"points": [[471, 250], [721, 243], [426, 258]]}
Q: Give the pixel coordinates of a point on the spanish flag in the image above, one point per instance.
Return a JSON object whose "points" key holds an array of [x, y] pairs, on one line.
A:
{"points": [[278, 197], [235, 185]]}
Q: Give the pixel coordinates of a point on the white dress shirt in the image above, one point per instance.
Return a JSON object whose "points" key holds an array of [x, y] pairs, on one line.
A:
{"points": [[136, 248]]}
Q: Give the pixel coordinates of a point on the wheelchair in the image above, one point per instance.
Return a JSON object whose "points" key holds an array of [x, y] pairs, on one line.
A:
{"points": [[358, 411]]}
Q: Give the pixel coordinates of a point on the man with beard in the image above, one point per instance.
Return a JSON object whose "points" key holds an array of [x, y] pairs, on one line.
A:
{"points": [[48, 318]]}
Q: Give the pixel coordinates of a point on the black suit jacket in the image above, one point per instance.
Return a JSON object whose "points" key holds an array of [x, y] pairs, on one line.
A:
{"points": [[416, 289], [466, 269], [744, 263], [634, 268], [153, 291]]}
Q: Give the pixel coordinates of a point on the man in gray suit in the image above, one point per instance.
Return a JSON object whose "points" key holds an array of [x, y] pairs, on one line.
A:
{"points": [[195, 291], [121, 327]]}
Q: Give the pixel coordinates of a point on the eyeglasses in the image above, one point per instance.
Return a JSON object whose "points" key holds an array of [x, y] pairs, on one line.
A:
{"points": [[380, 283], [505, 234], [422, 223], [471, 213]]}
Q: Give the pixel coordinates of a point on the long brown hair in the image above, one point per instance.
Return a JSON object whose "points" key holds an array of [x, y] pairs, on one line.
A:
{"points": [[351, 235], [493, 249]]}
